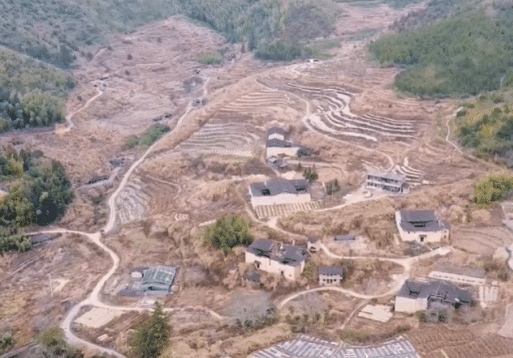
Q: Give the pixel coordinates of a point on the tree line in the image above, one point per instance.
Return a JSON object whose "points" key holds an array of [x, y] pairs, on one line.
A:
{"points": [[463, 55], [39, 193]]}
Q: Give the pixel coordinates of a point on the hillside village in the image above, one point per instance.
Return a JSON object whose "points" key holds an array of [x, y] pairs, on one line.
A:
{"points": [[263, 209]]}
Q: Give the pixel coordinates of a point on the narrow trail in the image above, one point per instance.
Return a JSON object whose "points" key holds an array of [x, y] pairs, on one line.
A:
{"points": [[69, 116], [93, 298], [406, 263], [307, 125]]}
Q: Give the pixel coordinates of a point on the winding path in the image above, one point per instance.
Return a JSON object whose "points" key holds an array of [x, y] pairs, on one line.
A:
{"points": [[93, 298], [406, 263]]}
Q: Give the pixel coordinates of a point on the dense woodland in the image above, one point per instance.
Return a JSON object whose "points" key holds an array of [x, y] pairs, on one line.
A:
{"points": [[31, 94], [38, 193], [469, 53]]}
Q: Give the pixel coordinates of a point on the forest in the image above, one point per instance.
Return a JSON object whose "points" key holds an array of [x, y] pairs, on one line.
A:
{"points": [[31, 94], [486, 126], [466, 54], [39, 190], [57, 32]]}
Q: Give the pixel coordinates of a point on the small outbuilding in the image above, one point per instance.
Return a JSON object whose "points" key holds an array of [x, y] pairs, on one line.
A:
{"points": [[158, 278], [330, 275], [314, 244]]}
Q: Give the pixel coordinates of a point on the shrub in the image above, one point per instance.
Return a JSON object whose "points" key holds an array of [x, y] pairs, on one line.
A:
{"points": [[132, 141], [52, 337], [281, 50], [492, 189], [229, 232], [310, 175], [210, 58], [461, 113], [152, 134]]}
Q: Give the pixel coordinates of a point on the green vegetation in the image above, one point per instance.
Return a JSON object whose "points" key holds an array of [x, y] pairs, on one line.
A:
{"points": [[464, 55], [229, 232], [493, 188], [434, 11], [310, 175], [149, 136], [486, 126], [11, 241], [58, 32], [31, 95], [152, 336], [396, 4], [332, 187], [55, 346], [210, 58], [39, 193], [7, 340]]}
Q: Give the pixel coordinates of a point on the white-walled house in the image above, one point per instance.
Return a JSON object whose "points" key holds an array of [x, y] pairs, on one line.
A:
{"points": [[330, 275], [277, 145], [417, 296], [273, 257], [422, 226], [279, 191], [389, 182]]}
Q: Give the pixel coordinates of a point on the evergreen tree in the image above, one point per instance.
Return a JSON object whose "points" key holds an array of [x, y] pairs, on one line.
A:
{"points": [[152, 336]]}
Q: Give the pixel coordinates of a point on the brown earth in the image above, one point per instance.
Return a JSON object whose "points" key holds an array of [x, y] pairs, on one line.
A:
{"points": [[176, 188]]}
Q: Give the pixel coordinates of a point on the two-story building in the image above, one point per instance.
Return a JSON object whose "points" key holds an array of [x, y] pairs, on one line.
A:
{"points": [[422, 226], [389, 182], [330, 275], [273, 257]]}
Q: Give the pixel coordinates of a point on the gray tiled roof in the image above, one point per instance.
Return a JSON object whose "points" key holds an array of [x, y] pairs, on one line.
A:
{"points": [[340, 238], [421, 220], [262, 245], [433, 290], [275, 130], [418, 215], [295, 253], [329, 270], [280, 143], [278, 186], [387, 175]]}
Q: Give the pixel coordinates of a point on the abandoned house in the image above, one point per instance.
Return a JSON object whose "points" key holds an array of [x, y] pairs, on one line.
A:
{"points": [[279, 191], [277, 145], [330, 275], [314, 244], [273, 257], [418, 296], [387, 182], [422, 226]]}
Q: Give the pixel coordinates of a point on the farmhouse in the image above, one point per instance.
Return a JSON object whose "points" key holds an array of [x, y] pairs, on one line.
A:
{"points": [[463, 275], [270, 256], [330, 276], [387, 181], [277, 145], [279, 191], [417, 296], [421, 226]]}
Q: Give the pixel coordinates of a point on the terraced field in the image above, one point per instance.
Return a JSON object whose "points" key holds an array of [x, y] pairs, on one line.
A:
{"points": [[131, 203], [441, 342], [269, 211], [484, 241], [413, 176], [304, 346], [332, 116], [231, 139]]}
